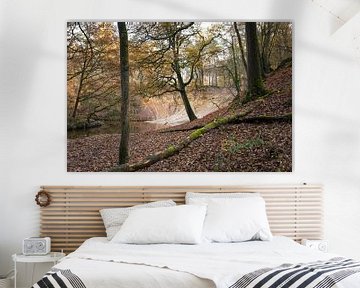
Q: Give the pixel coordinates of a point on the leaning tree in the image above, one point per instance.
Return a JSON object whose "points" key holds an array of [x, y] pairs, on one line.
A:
{"points": [[171, 51]]}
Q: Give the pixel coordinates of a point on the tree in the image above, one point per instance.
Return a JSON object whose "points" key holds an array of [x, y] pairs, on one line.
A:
{"points": [[241, 46], [235, 75], [255, 87], [174, 51], [268, 32], [180, 84], [275, 41], [124, 77], [92, 72], [233, 63], [282, 44]]}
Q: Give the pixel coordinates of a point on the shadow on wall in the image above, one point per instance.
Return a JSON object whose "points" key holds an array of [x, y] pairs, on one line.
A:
{"points": [[21, 52], [22, 41], [184, 8]]}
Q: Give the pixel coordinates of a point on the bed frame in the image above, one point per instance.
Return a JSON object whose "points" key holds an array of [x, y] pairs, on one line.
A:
{"points": [[73, 214]]}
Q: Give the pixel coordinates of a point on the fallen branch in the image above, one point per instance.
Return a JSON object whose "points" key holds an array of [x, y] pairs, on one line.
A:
{"points": [[237, 119], [264, 119], [181, 129], [173, 149]]}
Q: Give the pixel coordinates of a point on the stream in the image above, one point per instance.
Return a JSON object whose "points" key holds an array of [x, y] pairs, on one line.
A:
{"points": [[113, 127]]}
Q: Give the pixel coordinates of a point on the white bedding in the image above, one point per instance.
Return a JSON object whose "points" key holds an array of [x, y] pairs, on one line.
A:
{"points": [[100, 263]]}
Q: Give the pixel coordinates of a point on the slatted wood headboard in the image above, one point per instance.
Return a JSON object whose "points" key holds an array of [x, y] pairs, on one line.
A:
{"points": [[73, 215]]}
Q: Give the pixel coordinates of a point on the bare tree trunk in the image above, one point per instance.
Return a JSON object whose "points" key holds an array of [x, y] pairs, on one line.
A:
{"points": [[78, 94], [255, 85], [236, 74], [240, 45], [266, 32], [124, 77], [181, 85]]}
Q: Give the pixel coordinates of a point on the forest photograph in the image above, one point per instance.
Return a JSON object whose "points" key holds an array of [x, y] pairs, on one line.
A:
{"points": [[179, 96]]}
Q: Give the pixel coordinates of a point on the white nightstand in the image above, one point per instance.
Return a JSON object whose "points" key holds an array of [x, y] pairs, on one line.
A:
{"points": [[53, 257], [320, 245]]}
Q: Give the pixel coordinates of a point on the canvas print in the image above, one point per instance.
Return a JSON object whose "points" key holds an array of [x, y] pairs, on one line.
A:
{"points": [[179, 96]]}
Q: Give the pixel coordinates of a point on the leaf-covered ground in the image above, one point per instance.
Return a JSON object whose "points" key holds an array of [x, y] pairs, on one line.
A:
{"points": [[244, 147]]}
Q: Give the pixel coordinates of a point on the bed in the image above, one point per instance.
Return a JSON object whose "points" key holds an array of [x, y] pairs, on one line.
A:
{"points": [[281, 262], [99, 263]]}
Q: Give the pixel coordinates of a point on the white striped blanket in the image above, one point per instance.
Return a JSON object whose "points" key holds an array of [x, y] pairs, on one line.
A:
{"points": [[57, 278], [319, 274]]}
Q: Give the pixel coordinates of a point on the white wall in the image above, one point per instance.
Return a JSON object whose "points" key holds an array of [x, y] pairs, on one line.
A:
{"points": [[33, 106]]}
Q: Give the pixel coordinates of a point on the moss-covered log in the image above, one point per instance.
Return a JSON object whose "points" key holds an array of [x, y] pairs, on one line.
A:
{"points": [[153, 158], [175, 148]]}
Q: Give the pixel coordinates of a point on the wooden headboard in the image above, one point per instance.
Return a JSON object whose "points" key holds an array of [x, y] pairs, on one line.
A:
{"points": [[73, 214]]}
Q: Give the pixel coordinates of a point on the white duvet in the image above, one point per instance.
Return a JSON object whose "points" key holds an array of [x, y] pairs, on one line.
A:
{"points": [[100, 263]]}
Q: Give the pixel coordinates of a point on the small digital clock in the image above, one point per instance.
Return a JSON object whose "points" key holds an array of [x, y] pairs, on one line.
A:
{"points": [[36, 246]]}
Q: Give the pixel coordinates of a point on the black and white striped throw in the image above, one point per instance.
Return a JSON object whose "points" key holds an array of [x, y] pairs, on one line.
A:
{"points": [[320, 274], [59, 278]]}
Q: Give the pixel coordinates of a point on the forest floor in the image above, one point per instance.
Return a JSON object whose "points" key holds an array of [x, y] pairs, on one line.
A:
{"points": [[242, 147]]}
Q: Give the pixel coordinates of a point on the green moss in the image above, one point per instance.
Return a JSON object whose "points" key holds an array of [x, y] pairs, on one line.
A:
{"points": [[210, 125], [197, 133], [232, 146], [170, 149], [222, 120]]}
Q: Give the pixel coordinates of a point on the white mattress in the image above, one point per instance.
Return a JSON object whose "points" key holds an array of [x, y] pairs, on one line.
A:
{"points": [[102, 264]]}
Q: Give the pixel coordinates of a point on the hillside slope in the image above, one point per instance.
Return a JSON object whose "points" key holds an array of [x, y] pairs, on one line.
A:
{"points": [[242, 147]]}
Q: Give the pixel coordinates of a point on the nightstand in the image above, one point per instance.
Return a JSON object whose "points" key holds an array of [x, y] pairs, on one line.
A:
{"points": [[53, 257], [320, 245]]}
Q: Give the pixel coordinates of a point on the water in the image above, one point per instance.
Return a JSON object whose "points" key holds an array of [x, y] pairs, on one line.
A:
{"points": [[113, 127]]}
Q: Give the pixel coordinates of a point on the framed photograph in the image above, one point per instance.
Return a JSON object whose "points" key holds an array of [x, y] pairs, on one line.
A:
{"points": [[179, 96]]}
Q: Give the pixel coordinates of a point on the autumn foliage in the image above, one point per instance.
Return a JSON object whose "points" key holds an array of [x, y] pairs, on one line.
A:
{"points": [[183, 76]]}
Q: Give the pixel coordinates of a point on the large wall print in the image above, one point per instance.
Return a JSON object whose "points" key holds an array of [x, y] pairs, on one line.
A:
{"points": [[179, 96]]}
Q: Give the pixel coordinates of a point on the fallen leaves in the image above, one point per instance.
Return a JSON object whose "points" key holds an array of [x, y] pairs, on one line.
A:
{"points": [[243, 147], [271, 153]]}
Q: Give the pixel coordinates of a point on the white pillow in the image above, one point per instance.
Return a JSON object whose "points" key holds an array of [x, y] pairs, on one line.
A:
{"points": [[203, 198], [180, 224], [236, 220], [113, 218]]}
